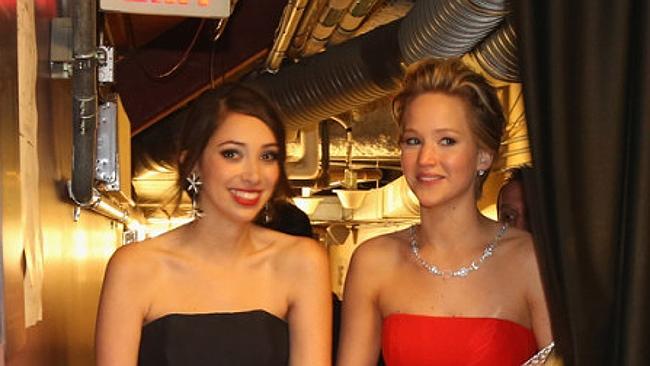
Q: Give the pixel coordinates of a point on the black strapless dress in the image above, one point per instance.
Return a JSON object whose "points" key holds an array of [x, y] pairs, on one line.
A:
{"points": [[249, 338]]}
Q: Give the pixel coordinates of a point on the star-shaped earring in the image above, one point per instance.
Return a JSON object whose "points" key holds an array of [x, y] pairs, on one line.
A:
{"points": [[195, 183]]}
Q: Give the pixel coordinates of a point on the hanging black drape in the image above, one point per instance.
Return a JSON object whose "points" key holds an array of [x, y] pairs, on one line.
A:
{"points": [[585, 68]]}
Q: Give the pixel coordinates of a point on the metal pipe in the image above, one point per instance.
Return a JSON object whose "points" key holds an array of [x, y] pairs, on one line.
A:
{"points": [[451, 28], [323, 179], [351, 21], [497, 54], [348, 75], [103, 206], [348, 139], [369, 67], [293, 12], [307, 167], [327, 21], [84, 100], [309, 19]]}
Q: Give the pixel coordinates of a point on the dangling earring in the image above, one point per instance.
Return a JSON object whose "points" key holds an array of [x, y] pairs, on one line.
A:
{"points": [[267, 213], [481, 172], [193, 189]]}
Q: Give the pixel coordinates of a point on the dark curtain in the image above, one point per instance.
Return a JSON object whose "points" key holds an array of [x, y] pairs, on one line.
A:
{"points": [[585, 68]]}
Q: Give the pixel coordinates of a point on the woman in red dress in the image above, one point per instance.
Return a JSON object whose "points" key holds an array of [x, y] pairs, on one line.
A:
{"points": [[460, 288]]}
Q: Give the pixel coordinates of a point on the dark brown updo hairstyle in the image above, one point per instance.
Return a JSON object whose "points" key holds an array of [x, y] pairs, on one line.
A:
{"points": [[206, 115], [453, 78]]}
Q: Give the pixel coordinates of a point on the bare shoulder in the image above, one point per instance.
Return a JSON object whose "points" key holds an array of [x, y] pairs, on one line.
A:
{"points": [[297, 252], [519, 245], [519, 254], [140, 263], [383, 249]]}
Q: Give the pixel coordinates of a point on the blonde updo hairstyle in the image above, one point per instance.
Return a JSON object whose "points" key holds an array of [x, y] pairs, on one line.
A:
{"points": [[453, 78]]}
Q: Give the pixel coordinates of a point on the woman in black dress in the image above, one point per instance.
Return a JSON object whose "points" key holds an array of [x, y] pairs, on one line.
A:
{"points": [[221, 290]]}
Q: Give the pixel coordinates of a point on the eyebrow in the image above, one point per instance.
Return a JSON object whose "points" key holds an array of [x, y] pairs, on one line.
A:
{"points": [[439, 130], [238, 143]]}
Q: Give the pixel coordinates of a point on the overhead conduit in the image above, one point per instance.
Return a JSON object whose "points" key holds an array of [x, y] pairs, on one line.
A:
{"points": [[369, 67], [497, 55], [337, 80], [450, 28]]}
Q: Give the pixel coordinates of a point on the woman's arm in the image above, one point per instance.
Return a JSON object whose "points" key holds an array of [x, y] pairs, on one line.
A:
{"points": [[121, 313], [360, 341], [310, 306]]}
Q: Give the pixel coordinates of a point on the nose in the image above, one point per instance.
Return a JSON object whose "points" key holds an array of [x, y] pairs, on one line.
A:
{"points": [[251, 171], [427, 155]]}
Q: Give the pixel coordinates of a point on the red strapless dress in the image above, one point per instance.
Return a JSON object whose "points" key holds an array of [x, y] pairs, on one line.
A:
{"points": [[419, 340]]}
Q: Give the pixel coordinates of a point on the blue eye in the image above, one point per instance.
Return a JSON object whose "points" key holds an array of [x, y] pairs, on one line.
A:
{"points": [[269, 156], [447, 141], [411, 141], [230, 154]]}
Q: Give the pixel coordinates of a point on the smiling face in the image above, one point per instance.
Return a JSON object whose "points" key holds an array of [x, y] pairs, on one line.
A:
{"points": [[239, 168], [440, 154]]}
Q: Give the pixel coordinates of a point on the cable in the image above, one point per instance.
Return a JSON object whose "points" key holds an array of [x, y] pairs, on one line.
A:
{"points": [[180, 62]]}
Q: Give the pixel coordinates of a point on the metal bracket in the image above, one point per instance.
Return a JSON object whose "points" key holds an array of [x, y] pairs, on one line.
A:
{"points": [[105, 56], [61, 48], [107, 165], [62, 61]]}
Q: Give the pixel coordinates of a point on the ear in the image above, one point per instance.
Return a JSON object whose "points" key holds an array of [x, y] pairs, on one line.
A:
{"points": [[484, 160]]}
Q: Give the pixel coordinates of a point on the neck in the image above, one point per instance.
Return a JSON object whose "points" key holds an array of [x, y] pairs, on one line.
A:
{"points": [[222, 236], [452, 226]]}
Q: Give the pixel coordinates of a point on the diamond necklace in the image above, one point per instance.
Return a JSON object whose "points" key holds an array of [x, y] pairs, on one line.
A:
{"points": [[462, 271]]}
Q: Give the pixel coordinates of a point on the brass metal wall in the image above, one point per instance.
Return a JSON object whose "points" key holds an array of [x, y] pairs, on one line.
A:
{"points": [[74, 253]]}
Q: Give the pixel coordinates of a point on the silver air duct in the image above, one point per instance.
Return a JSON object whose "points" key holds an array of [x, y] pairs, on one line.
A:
{"points": [[369, 67], [497, 55], [354, 73], [450, 28]]}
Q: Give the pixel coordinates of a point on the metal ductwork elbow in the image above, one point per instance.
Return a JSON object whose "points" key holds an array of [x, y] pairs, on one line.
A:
{"points": [[370, 67], [443, 29], [497, 55], [354, 73]]}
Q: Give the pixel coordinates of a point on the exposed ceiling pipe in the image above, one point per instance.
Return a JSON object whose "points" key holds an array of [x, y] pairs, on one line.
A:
{"points": [[329, 18], [84, 100], [307, 166], [451, 28], [323, 179], [351, 74], [369, 67], [293, 12], [351, 21], [104, 206], [497, 55], [309, 19]]}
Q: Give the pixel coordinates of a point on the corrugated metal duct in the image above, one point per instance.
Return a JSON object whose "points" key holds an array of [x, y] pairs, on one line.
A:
{"points": [[449, 28], [497, 55], [352, 74], [367, 68]]}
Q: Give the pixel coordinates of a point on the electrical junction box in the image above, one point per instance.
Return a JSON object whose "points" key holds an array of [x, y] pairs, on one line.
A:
{"points": [[185, 8], [113, 151]]}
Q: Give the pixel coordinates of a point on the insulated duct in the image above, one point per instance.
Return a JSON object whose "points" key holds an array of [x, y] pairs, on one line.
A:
{"points": [[497, 55], [84, 100], [354, 73], [451, 28], [369, 67]]}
